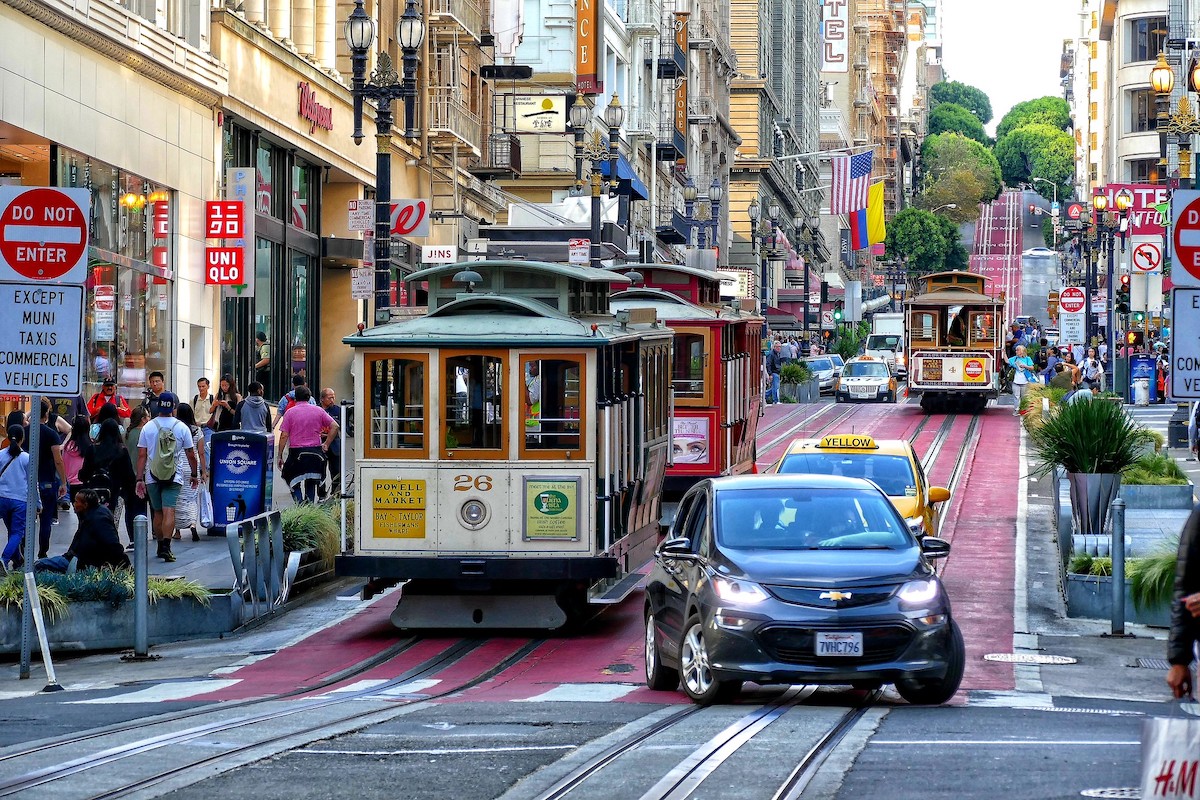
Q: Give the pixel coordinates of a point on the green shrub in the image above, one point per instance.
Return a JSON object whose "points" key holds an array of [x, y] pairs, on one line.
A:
{"points": [[1087, 438], [12, 595], [1152, 579], [312, 527], [1156, 470], [113, 586], [795, 373]]}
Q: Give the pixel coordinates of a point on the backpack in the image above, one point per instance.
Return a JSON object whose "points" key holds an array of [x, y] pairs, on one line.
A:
{"points": [[291, 402], [101, 482], [166, 449]]}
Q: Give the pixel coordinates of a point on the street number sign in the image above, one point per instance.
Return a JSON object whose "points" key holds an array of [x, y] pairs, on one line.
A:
{"points": [[44, 234], [1072, 299], [1185, 238], [1147, 257]]}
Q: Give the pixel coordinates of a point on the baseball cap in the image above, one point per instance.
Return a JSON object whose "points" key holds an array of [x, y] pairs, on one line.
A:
{"points": [[109, 382], [164, 404]]}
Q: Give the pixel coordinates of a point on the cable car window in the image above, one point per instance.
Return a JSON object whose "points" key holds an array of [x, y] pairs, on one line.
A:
{"points": [[529, 280], [922, 327], [396, 387], [552, 403], [474, 392], [983, 328], [689, 368]]}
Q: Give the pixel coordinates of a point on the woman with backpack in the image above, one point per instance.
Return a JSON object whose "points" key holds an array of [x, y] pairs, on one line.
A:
{"points": [[14, 481], [187, 509], [76, 449], [108, 469]]}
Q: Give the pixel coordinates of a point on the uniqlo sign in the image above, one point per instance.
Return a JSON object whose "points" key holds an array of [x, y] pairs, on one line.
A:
{"points": [[224, 266], [162, 219], [224, 219]]}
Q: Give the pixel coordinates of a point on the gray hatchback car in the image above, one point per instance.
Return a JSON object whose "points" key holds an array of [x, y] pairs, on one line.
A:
{"points": [[784, 579]]}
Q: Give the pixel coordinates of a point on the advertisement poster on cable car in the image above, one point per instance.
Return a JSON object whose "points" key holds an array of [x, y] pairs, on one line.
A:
{"points": [[551, 508], [242, 474], [690, 437]]}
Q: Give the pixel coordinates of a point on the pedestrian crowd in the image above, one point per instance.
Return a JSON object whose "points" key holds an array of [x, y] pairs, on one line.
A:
{"points": [[104, 456], [783, 350]]}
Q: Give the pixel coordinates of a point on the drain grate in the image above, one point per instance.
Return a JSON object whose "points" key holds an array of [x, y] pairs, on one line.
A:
{"points": [[1153, 663], [1028, 658], [1131, 792]]}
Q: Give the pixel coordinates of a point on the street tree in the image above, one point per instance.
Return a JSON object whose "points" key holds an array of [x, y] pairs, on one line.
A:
{"points": [[916, 237], [962, 94], [1038, 150], [956, 256], [949, 117], [1052, 111], [958, 170]]}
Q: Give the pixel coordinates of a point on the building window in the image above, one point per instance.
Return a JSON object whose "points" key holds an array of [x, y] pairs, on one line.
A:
{"points": [[1095, 80], [1147, 38], [1143, 170], [1141, 111]]}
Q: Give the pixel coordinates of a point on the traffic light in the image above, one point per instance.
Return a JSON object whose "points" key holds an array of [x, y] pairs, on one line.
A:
{"points": [[1134, 338], [838, 315], [1123, 295], [1139, 317]]}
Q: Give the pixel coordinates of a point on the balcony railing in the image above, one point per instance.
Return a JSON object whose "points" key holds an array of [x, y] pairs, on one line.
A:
{"points": [[642, 120], [642, 16], [466, 14], [449, 115]]}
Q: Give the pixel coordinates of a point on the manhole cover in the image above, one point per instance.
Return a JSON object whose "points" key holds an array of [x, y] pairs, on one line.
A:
{"points": [[1132, 792], [1153, 663], [1028, 658]]}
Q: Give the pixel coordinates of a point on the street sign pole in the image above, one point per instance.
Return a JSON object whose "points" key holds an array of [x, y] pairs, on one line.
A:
{"points": [[31, 529]]}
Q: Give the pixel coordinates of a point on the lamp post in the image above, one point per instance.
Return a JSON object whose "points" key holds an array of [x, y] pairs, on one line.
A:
{"points": [[714, 199], [755, 214], [944, 206], [1162, 81], [384, 87], [773, 213], [689, 208], [597, 152], [581, 116]]}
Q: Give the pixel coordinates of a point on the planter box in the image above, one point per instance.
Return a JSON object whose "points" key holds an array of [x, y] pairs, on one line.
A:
{"points": [[95, 625], [1090, 597], [1145, 496]]}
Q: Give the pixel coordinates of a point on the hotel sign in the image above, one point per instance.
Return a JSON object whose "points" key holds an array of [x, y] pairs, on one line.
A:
{"points": [[589, 15], [835, 40]]}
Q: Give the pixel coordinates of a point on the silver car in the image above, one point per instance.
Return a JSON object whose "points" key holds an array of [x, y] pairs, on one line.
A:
{"points": [[823, 369]]}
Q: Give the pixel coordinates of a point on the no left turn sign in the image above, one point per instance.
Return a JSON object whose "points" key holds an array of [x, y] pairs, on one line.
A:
{"points": [[1147, 257], [43, 234]]}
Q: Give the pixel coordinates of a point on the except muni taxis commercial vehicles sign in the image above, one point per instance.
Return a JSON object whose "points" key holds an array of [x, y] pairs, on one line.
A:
{"points": [[42, 341], [1184, 375]]}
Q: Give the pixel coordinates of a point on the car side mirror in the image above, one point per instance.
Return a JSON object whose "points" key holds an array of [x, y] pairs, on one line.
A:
{"points": [[678, 547], [938, 494], [933, 547]]}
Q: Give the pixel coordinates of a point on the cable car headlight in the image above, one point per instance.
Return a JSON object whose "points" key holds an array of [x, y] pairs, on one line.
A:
{"points": [[473, 514]]}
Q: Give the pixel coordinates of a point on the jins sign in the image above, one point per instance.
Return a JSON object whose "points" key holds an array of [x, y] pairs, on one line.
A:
{"points": [[320, 116]]}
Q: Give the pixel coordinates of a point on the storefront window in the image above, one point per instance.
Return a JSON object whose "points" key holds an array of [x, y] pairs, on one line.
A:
{"points": [[263, 197], [301, 268], [122, 203], [302, 209], [265, 257]]}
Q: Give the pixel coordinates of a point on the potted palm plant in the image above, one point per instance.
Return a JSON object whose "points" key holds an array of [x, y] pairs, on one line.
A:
{"points": [[1093, 443], [794, 382]]}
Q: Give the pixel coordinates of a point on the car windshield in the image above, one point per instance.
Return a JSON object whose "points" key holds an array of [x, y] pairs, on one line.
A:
{"points": [[893, 474], [880, 341], [837, 360], [786, 518], [819, 364], [865, 369]]}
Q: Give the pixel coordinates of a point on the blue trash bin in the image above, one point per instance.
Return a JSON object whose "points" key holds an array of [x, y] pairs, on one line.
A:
{"points": [[242, 477], [1143, 366]]}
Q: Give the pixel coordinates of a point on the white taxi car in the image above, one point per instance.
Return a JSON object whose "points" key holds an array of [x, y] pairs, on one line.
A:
{"points": [[865, 378]]}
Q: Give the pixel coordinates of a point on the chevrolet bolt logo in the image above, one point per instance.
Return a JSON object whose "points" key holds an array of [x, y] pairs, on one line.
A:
{"points": [[836, 596]]}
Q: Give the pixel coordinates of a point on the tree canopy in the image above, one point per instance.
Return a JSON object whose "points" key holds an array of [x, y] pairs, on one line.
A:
{"points": [[958, 170], [964, 95], [952, 118], [956, 255], [1052, 111], [917, 238], [1038, 150]]}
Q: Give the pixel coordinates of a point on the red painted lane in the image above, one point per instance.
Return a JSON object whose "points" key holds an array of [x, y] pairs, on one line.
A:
{"points": [[940, 472], [979, 574], [868, 418]]}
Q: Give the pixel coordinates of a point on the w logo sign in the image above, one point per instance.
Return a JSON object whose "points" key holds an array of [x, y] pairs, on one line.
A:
{"points": [[410, 218]]}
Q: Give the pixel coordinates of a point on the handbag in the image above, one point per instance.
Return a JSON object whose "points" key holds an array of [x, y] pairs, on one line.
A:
{"points": [[206, 509], [1171, 758]]}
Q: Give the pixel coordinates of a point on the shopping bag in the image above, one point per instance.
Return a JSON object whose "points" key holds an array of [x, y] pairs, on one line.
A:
{"points": [[206, 510], [1171, 758]]}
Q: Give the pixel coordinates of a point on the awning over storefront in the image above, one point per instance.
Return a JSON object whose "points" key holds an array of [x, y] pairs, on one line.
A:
{"points": [[627, 178]]}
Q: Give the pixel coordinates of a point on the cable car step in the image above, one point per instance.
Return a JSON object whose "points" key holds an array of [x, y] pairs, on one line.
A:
{"points": [[609, 593]]}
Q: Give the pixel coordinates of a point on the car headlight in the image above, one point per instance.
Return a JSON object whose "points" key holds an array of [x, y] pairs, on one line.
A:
{"points": [[918, 593], [746, 593], [916, 524]]}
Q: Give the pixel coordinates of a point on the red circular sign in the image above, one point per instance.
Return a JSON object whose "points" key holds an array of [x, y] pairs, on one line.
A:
{"points": [[43, 234], [1072, 299], [973, 369], [1074, 211], [1186, 237]]}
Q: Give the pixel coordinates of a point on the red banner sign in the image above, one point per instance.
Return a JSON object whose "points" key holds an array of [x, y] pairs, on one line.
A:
{"points": [[224, 266], [1144, 220], [224, 219]]}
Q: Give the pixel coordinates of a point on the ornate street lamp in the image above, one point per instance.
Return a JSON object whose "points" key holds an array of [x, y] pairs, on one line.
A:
{"points": [[1162, 81], [580, 117], [689, 207], [384, 87], [714, 198], [614, 116], [754, 211]]}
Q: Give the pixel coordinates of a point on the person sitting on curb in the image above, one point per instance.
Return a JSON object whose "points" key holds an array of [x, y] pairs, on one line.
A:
{"points": [[95, 544]]}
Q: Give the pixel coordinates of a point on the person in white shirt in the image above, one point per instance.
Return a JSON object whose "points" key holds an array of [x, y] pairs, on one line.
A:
{"points": [[163, 494]]}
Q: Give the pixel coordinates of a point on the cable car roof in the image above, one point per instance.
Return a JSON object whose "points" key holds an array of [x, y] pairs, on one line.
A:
{"points": [[669, 306], [573, 271], [477, 319], [683, 269], [953, 297]]}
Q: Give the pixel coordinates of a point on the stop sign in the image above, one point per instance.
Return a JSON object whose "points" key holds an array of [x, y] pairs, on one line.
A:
{"points": [[44, 234], [1072, 299]]}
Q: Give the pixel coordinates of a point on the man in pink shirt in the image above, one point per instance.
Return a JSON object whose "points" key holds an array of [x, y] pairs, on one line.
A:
{"points": [[305, 433]]}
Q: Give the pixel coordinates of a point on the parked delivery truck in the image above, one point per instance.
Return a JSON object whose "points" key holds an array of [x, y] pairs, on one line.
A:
{"points": [[886, 341]]}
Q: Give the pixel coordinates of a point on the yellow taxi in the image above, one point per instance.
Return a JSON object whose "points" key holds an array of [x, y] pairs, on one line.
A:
{"points": [[865, 378], [890, 463]]}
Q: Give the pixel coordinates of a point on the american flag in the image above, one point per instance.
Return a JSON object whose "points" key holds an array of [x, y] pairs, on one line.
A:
{"points": [[851, 182]]}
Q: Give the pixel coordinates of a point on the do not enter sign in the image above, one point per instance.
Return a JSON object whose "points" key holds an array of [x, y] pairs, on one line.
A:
{"points": [[44, 234], [1185, 238], [1072, 299]]}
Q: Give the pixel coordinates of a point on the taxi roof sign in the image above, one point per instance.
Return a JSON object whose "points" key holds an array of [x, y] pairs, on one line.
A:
{"points": [[849, 441]]}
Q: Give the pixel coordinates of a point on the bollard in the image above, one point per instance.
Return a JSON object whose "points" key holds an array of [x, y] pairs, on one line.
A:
{"points": [[1117, 551], [141, 589]]}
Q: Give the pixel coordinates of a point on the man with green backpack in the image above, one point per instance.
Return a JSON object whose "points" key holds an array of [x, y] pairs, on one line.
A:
{"points": [[162, 446]]}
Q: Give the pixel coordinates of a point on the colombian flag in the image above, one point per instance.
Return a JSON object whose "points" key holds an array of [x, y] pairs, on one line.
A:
{"points": [[867, 224]]}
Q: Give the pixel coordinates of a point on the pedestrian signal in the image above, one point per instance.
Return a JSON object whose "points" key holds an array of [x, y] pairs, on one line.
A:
{"points": [[1134, 338], [827, 335]]}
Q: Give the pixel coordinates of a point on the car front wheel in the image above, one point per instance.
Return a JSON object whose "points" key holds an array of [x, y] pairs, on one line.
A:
{"points": [[698, 680], [933, 692], [658, 677]]}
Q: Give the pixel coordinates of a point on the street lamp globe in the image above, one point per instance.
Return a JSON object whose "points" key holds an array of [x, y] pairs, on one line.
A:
{"points": [[359, 29], [773, 211], [1124, 200], [410, 30], [614, 113], [689, 191], [753, 210], [1194, 75], [581, 113], [1162, 79], [1100, 202], [714, 191]]}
